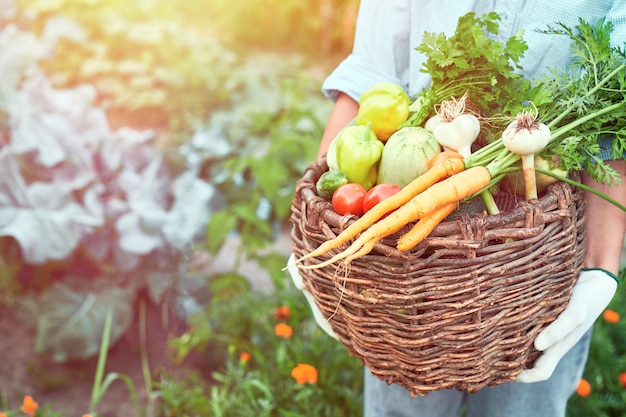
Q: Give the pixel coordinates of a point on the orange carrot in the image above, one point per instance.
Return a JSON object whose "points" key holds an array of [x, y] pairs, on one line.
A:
{"points": [[443, 156], [450, 190], [422, 228], [415, 187], [364, 250]]}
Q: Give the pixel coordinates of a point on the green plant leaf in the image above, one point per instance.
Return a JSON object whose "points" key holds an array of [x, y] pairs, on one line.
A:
{"points": [[221, 224], [42, 217], [70, 321], [228, 285]]}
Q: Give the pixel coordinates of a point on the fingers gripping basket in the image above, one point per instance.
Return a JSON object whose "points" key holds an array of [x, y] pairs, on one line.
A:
{"points": [[462, 309]]}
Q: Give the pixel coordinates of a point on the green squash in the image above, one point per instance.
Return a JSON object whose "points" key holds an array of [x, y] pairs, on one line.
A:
{"points": [[406, 155]]}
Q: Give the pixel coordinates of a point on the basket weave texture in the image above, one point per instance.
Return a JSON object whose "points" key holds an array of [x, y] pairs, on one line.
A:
{"points": [[462, 309]]}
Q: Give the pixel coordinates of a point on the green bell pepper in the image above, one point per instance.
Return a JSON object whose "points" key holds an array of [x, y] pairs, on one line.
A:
{"points": [[358, 153]]}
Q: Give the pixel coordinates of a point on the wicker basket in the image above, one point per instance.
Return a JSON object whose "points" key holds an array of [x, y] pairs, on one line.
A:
{"points": [[462, 309]]}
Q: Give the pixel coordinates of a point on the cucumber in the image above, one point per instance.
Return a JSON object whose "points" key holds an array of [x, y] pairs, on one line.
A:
{"points": [[329, 181]]}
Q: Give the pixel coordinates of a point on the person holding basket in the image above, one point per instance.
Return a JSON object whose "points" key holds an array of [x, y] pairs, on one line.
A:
{"points": [[383, 51]]}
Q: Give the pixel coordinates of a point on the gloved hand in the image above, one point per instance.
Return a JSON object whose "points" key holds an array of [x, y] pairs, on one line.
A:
{"points": [[317, 314], [590, 296]]}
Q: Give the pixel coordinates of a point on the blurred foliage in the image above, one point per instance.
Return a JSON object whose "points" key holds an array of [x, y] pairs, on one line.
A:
{"points": [[250, 117], [150, 69], [161, 64], [260, 383], [97, 212], [270, 133], [319, 29], [10, 265]]}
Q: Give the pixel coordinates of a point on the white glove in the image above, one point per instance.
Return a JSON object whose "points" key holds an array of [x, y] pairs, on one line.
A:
{"points": [[590, 296], [317, 314]]}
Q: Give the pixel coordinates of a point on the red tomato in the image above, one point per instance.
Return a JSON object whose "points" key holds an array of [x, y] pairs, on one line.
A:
{"points": [[622, 378], [378, 193], [349, 199]]}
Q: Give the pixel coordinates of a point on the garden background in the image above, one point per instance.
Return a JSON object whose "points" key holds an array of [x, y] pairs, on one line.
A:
{"points": [[148, 153]]}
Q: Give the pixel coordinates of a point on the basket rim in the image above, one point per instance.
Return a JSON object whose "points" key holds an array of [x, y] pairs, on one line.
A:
{"points": [[447, 227]]}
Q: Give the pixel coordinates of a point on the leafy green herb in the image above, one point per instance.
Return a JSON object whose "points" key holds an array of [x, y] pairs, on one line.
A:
{"points": [[581, 105], [584, 93], [471, 62]]}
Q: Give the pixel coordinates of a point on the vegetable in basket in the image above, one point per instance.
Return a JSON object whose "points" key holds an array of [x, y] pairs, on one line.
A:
{"points": [[329, 181], [393, 222], [513, 182], [385, 106], [442, 156], [526, 137], [348, 199], [331, 154], [406, 155], [358, 152], [470, 62], [379, 193], [454, 129]]}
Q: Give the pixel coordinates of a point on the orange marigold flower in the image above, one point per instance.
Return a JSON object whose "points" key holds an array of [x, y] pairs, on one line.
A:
{"points": [[3, 414], [304, 373], [86, 415], [584, 388], [283, 330], [29, 406], [611, 316], [245, 357], [622, 378], [282, 312]]}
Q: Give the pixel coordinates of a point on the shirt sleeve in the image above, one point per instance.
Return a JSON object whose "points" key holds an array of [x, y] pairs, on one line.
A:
{"points": [[380, 52]]}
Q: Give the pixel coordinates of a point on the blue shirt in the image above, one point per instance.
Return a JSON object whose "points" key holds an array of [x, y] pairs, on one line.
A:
{"points": [[387, 33]]}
